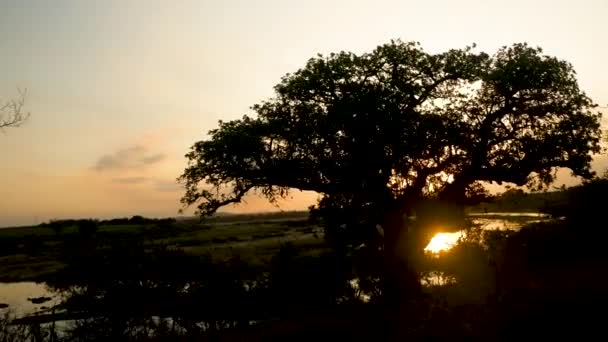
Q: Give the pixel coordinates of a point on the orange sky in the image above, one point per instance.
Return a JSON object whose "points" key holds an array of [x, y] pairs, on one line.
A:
{"points": [[119, 90]]}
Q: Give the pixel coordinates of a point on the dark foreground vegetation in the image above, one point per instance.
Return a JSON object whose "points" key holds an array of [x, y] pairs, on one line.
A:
{"points": [[134, 283]]}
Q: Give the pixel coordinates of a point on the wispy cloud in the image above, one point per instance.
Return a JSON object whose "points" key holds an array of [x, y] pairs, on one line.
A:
{"points": [[153, 159], [129, 180], [167, 186], [133, 157]]}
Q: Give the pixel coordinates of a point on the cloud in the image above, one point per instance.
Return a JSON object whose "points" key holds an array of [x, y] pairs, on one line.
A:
{"points": [[129, 180], [167, 186], [133, 157], [155, 158]]}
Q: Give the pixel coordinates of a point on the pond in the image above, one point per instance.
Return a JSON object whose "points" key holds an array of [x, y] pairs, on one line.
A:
{"points": [[26, 298]]}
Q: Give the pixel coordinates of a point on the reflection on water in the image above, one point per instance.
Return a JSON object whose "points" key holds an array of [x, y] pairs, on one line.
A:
{"points": [[436, 278], [17, 295], [487, 221], [506, 214], [442, 241], [365, 297]]}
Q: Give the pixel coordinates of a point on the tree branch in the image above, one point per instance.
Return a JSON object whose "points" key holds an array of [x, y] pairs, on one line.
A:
{"points": [[11, 112]]}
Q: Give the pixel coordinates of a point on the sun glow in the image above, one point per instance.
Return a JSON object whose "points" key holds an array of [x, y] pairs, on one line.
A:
{"points": [[442, 242]]}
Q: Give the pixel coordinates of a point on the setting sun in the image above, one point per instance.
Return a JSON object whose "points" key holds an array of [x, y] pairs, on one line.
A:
{"points": [[442, 242]]}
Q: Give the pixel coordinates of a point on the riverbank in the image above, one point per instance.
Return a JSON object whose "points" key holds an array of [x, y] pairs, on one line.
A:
{"points": [[38, 253], [252, 239]]}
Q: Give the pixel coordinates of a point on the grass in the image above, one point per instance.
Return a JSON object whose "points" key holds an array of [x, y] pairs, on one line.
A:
{"points": [[34, 253]]}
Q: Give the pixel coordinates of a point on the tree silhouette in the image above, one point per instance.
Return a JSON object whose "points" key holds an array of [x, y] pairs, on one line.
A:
{"points": [[11, 112], [382, 131]]}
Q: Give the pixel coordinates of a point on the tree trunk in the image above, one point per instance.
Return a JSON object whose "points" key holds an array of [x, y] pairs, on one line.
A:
{"points": [[401, 281]]}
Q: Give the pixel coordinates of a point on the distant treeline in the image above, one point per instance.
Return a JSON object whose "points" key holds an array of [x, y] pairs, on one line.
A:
{"points": [[261, 216], [516, 200], [134, 220]]}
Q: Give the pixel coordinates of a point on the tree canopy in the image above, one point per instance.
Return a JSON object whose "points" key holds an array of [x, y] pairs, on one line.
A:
{"points": [[398, 124]]}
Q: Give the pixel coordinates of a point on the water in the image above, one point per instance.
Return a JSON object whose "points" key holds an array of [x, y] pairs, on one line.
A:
{"points": [[436, 278], [442, 242], [16, 295], [488, 221]]}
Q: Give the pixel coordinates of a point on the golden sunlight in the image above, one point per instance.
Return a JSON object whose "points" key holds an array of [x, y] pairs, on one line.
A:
{"points": [[442, 242]]}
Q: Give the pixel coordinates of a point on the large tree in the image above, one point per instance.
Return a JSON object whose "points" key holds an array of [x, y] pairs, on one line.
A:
{"points": [[382, 131]]}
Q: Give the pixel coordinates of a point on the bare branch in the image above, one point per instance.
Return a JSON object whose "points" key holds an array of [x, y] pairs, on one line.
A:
{"points": [[12, 113]]}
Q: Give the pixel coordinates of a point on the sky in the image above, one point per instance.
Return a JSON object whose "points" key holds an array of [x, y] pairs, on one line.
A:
{"points": [[118, 90]]}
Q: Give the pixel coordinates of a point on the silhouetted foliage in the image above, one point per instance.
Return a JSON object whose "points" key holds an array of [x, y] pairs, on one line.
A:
{"points": [[582, 205], [378, 134], [398, 118], [56, 226], [124, 221], [553, 269], [87, 228], [517, 200]]}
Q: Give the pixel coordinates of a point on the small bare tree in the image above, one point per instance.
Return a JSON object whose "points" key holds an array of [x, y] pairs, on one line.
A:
{"points": [[12, 113]]}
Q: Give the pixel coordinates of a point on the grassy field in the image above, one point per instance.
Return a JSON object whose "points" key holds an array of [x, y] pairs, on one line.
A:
{"points": [[33, 253]]}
